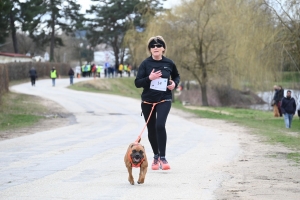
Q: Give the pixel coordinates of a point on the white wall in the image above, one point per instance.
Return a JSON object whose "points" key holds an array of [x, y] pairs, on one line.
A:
{"points": [[8, 59], [101, 57]]}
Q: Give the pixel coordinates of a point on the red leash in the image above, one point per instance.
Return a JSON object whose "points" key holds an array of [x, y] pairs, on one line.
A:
{"points": [[153, 105]]}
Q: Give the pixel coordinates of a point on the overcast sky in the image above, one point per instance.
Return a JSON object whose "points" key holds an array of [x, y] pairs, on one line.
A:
{"points": [[86, 3]]}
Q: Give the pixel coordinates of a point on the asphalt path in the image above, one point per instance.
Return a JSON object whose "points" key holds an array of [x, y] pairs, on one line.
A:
{"points": [[85, 159]]}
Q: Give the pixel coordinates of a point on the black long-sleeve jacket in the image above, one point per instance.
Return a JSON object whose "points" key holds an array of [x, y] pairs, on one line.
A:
{"points": [[168, 70], [288, 105], [32, 72]]}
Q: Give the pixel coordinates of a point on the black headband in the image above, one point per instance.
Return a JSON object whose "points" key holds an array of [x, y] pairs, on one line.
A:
{"points": [[157, 41]]}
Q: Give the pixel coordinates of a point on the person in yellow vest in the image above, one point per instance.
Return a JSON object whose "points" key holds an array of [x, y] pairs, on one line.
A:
{"points": [[125, 68], [99, 69], [89, 70], [121, 69], [82, 70], [53, 75]]}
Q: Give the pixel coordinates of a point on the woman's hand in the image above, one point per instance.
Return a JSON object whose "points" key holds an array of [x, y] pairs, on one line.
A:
{"points": [[171, 86], [154, 75]]}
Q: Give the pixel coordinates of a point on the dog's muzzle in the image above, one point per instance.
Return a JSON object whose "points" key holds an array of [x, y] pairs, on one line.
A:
{"points": [[136, 157]]}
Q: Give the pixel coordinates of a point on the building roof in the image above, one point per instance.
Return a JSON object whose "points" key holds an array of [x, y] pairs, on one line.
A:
{"points": [[14, 55]]}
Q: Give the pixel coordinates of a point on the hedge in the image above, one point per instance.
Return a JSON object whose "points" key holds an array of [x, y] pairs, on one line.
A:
{"points": [[20, 71]]}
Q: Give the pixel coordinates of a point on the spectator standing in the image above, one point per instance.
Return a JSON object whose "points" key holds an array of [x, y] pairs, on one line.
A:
{"points": [[106, 69], [120, 69], [280, 96], [125, 68], [288, 108], [89, 73], [94, 70], [53, 75], [71, 75], [33, 75], [111, 71], [85, 70], [298, 109], [99, 69], [129, 70], [275, 101]]}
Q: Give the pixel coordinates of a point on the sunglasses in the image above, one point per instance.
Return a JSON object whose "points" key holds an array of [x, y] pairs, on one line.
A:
{"points": [[152, 46]]}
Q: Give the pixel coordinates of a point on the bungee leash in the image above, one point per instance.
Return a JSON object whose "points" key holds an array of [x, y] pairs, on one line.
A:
{"points": [[153, 105]]}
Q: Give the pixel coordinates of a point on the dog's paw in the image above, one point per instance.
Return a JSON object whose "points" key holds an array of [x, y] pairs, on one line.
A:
{"points": [[131, 181]]}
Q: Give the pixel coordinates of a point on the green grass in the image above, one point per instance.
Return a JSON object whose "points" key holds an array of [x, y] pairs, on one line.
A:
{"points": [[294, 156], [259, 122], [116, 86], [291, 76], [289, 80], [19, 110]]}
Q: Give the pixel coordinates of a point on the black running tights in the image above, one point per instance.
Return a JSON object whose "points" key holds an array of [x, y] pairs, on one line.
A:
{"points": [[157, 134]]}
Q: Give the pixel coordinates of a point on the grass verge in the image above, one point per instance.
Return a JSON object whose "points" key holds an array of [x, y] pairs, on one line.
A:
{"points": [[260, 122], [19, 110], [116, 86]]}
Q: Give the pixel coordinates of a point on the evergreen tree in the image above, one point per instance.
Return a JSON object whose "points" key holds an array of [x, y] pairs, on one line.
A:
{"points": [[51, 17], [4, 11], [114, 18], [9, 15]]}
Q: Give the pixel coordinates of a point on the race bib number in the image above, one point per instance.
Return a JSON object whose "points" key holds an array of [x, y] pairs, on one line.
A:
{"points": [[159, 84]]}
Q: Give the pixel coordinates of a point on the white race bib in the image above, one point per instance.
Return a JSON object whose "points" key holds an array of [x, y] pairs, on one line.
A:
{"points": [[159, 84]]}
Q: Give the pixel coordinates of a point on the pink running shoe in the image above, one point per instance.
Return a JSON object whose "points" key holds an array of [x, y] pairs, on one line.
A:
{"points": [[155, 164], [164, 165]]}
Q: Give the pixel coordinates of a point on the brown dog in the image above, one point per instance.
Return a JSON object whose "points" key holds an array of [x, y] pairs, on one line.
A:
{"points": [[136, 157]]}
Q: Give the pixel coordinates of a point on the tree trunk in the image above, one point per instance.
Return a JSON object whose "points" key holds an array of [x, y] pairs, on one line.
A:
{"points": [[204, 87], [203, 83], [122, 55], [116, 52], [52, 39], [204, 95], [116, 60], [13, 33]]}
